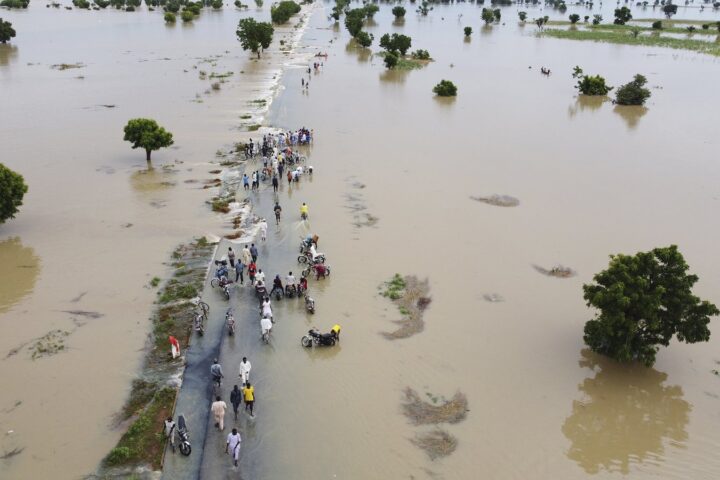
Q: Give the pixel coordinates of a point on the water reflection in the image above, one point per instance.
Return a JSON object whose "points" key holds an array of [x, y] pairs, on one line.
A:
{"points": [[152, 180], [353, 48], [7, 53], [19, 268], [394, 76], [587, 102], [630, 114], [625, 417]]}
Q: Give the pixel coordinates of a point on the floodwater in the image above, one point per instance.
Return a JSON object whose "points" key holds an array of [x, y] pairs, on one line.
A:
{"points": [[592, 179]]}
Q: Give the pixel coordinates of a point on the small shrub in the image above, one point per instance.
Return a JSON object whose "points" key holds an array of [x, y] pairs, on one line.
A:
{"points": [[420, 55], [597, 19], [467, 31], [633, 93], [574, 18], [169, 17], [657, 25], [522, 16], [391, 59], [398, 11], [445, 89], [364, 39], [187, 16], [117, 456]]}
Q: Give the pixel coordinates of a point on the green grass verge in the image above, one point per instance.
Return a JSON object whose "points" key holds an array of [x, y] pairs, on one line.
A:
{"points": [[665, 29], [623, 38], [143, 443]]}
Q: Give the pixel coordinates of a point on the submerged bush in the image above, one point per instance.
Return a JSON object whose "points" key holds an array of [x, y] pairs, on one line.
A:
{"points": [[420, 55], [282, 12], [467, 31], [445, 89], [398, 11], [169, 17], [364, 39], [589, 84], [187, 16], [6, 31], [391, 59], [657, 25], [633, 93]]}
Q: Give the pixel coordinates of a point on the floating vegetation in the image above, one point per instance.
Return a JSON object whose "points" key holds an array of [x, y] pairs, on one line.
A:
{"points": [[15, 451], [557, 271], [436, 443], [66, 66], [498, 200], [221, 75], [155, 282], [246, 116], [412, 298], [176, 290], [84, 313], [221, 205], [49, 344], [420, 412]]}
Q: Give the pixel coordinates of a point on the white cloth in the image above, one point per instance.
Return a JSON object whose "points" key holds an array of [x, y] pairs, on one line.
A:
{"points": [[260, 277], [290, 280], [267, 311]]}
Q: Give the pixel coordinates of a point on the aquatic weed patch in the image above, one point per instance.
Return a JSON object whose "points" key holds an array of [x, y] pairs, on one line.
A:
{"points": [[498, 200], [438, 410], [412, 298], [558, 271], [436, 443]]}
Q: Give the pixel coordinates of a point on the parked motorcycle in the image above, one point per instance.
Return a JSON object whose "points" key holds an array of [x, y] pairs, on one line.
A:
{"points": [[307, 258], [314, 337], [309, 304], [314, 269], [184, 436], [230, 322]]}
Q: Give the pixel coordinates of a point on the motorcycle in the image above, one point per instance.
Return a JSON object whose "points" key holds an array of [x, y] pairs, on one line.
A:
{"points": [[184, 436], [198, 324], [314, 269], [222, 282], [260, 292], [278, 294], [309, 304], [314, 337], [307, 257], [290, 291], [230, 322]]}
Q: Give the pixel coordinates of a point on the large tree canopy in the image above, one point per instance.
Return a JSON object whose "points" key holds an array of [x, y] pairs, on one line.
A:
{"points": [[6, 31], [147, 134], [254, 35], [12, 191], [644, 300]]}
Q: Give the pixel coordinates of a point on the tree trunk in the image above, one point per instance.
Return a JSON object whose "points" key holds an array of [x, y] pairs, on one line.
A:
{"points": [[258, 54], [147, 155]]}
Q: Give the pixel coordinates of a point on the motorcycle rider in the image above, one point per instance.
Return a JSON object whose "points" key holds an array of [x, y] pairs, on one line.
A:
{"points": [[267, 309], [216, 371], [289, 282], [303, 284], [265, 326], [336, 331], [320, 271], [277, 285]]}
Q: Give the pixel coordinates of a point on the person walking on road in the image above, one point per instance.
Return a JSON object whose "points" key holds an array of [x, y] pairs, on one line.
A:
{"points": [[239, 267], [254, 253], [218, 409], [232, 446], [246, 182], [249, 397], [170, 432], [246, 255], [263, 230], [275, 183], [252, 269], [245, 370], [235, 399], [231, 257]]}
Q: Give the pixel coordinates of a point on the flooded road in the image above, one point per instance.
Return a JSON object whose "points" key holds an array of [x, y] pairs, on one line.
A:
{"points": [[395, 170]]}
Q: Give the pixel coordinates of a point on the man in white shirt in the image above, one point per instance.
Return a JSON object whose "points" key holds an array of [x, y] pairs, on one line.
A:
{"points": [[289, 281], [218, 409], [245, 370], [265, 326], [233, 445], [260, 276], [267, 310]]}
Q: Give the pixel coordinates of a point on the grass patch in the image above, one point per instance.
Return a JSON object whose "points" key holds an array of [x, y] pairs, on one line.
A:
{"points": [[259, 102], [253, 128], [221, 205], [667, 28], [672, 23], [176, 290], [143, 443], [247, 116], [420, 412], [412, 298], [624, 38], [49, 344], [140, 395], [155, 282], [221, 75]]}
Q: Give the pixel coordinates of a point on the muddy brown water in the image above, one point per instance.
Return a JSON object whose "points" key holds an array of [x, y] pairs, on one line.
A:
{"points": [[593, 179]]}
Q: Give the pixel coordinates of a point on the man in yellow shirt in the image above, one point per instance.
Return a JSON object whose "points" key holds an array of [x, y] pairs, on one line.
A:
{"points": [[249, 397], [304, 210], [336, 331]]}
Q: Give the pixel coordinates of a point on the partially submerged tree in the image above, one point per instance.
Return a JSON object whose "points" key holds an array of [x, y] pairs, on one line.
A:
{"points": [[12, 191], [522, 16], [282, 12], [445, 89], [398, 11], [396, 43], [364, 39], [6, 31], [354, 21], [574, 18], [597, 19], [169, 17], [645, 300], [634, 92], [253, 35], [424, 8], [391, 59], [669, 9], [589, 84], [487, 16], [467, 31], [622, 16], [147, 134]]}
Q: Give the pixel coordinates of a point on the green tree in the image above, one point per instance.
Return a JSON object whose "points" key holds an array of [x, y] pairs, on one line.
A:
{"points": [[370, 10], [364, 39], [12, 191], [644, 300], [282, 12], [15, 3], [169, 17], [669, 9], [420, 54], [445, 89], [497, 14], [467, 31], [488, 16], [396, 43], [253, 35], [217, 4], [147, 134], [6, 31], [398, 11], [622, 16], [633, 93], [187, 16], [172, 7], [657, 25], [391, 59], [574, 18], [590, 84], [597, 19], [424, 8], [522, 16], [354, 21]]}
